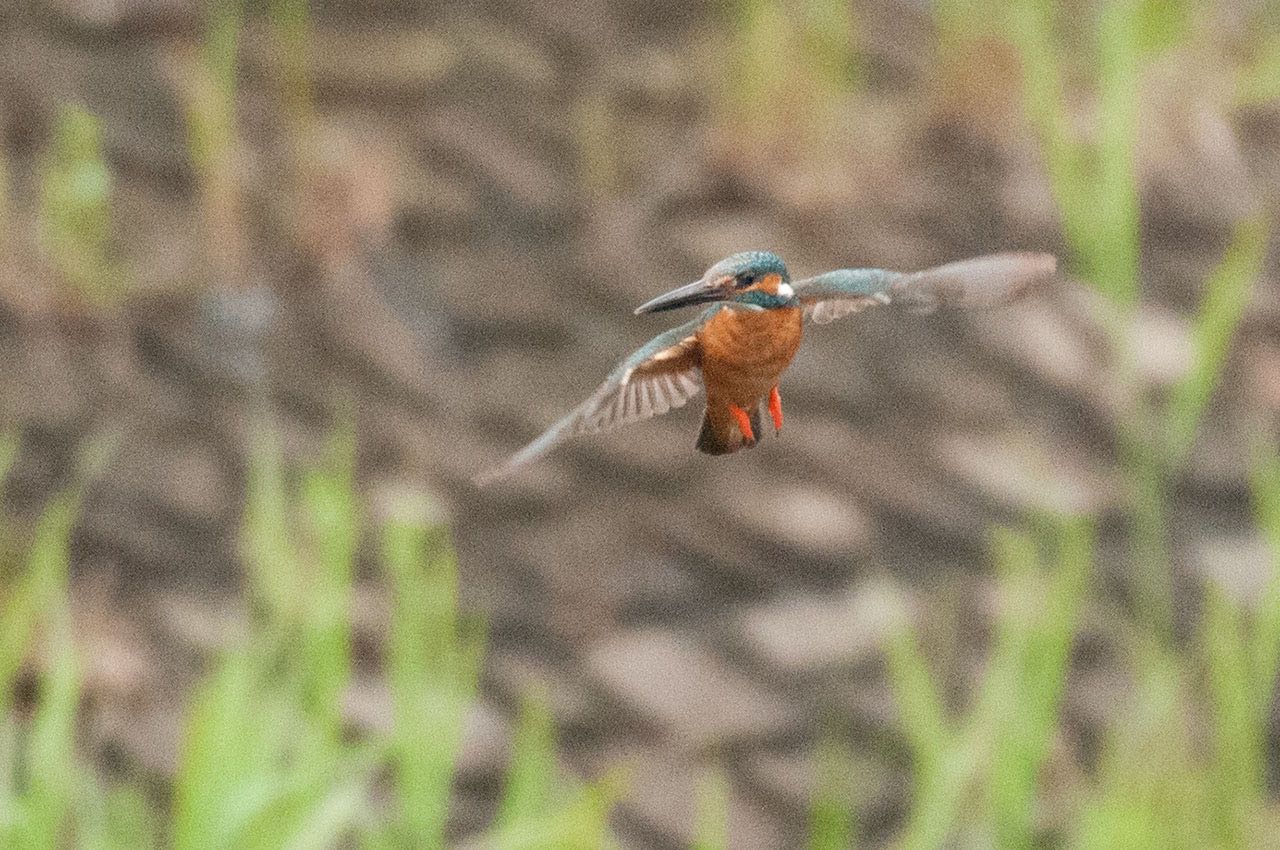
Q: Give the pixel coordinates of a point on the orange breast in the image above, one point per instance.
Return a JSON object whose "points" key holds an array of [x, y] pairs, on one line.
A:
{"points": [[745, 352]]}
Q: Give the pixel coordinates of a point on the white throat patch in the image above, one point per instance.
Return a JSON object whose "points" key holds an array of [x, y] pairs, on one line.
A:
{"points": [[785, 290]]}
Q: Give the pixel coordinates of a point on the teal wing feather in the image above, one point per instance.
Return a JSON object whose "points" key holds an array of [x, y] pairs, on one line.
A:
{"points": [[985, 281], [662, 375]]}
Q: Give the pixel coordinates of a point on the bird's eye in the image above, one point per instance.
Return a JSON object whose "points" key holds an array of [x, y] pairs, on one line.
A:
{"points": [[743, 279]]}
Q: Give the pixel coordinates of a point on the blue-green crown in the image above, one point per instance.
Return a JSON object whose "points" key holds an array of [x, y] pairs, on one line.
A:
{"points": [[759, 263]]}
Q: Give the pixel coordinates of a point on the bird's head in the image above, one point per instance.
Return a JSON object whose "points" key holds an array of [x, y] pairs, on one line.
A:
{"points": [[753, 279]]}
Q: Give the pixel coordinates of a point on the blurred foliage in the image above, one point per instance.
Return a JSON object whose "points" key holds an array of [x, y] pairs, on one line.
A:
{"points": [[789, 66], [292, 20], [211, 115], [531, 784], [712, 827], [1157, 439], [212, 137], [1159, 24], [266, 759], [997, 751], [1155, 784], [1227, 291], [75, 208], [1158, 783], [1095, 184], [433, 670], [48, 798], [1259, 80], [263, 761], [541, 810], [831, 825]]}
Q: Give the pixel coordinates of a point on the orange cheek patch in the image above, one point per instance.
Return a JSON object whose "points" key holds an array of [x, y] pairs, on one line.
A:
{"points": [[769, 283]]}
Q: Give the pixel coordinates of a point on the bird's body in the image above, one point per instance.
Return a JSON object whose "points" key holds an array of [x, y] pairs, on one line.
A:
{"points": [[738, 349], [744, 353]]}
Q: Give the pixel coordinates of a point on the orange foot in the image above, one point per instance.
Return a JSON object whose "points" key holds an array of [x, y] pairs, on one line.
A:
{"points": [[744, 424], [775, 410]]}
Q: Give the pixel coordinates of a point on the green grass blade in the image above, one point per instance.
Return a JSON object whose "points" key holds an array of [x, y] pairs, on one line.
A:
{"points": [[130, 822], [237, 737], [759, 72], [945, 776], [1227, 292], [335, 811], [582, 824], [919, 704], [433, 672], [711, 830], [1006, 736], [1044, 100], [830, 44], [75, 206], [211, 120], [831, 814], [1260, 81], [119, 818], [292, 20], [263, 760], [258, 766], [1002, 713], [10, 760], [52, 769], [531, 778], [10, 554], [1265, 649], [1148, 539], [314, 797], [1161, 25], [1239, 745], [1095, 189], [37, 590], [39, 790], [1029, 668], [329, 497], [1146, 793], [215, 755], [269, 536], [1114, 244], [939, 799], [959, 21]]}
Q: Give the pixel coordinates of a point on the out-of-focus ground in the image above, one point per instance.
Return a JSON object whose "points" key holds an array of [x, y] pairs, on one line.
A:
{"points": [[448, 239]]}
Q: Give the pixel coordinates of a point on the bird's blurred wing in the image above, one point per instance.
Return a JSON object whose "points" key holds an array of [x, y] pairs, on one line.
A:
{"points": [[663, 375], [985, 281]]}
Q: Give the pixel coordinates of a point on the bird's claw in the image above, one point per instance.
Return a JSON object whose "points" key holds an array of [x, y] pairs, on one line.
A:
{"points": [[775, 410], [744, 425]]}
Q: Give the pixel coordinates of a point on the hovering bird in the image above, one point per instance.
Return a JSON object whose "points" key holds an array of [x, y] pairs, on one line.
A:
{"points": [[738, 348]]}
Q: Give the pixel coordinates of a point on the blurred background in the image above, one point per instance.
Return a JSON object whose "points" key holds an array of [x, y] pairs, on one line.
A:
{"points": [[278, 278]]}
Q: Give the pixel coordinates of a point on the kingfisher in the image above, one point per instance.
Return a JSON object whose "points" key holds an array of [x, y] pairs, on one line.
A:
{"points": [[739, 346]]}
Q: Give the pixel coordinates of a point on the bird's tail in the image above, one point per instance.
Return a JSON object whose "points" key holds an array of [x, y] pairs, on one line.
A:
{"points": [[720, 434]]}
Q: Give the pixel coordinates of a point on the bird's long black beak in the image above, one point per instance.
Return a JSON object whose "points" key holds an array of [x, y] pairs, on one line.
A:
{"points": [[698, 292]]}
